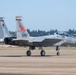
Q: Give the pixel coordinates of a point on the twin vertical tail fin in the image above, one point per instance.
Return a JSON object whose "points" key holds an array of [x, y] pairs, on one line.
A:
{"points": [[3, 29], [21, 31]]}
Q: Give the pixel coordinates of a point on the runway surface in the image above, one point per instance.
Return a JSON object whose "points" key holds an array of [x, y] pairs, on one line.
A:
{"points": [[13, 61]]}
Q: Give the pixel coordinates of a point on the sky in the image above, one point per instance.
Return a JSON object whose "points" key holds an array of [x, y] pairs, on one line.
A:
{"points": [[40, 14]]}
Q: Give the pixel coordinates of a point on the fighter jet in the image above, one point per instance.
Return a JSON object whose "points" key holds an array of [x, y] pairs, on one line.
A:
{"points": [[69, 40], [24, 39], [4, 33]]}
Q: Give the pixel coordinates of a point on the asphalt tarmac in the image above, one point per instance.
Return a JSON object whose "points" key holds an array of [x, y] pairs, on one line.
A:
{"points": [[13, 61]]}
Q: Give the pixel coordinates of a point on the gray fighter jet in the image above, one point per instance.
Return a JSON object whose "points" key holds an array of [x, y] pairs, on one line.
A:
{"points": [[23, 38], [4, 33]]}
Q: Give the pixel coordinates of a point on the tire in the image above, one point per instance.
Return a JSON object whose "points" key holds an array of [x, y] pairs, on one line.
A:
{"points": [[58, 54], [42, 53], [28, 53]]}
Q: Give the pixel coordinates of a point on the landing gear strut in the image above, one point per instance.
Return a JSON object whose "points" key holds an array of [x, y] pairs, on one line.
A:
{"points": [[57, 49]]}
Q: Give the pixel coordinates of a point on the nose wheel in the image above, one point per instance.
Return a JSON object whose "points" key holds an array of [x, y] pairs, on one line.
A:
{"points": [[57, 53], [57, 49]]}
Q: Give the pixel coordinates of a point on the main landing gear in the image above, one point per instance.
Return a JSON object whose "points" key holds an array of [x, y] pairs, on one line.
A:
{"points": [[57, 49], [42, 53], [28, 53]]}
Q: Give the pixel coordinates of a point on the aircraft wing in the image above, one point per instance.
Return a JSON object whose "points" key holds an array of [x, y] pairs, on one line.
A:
{"points": [[45, 42]]}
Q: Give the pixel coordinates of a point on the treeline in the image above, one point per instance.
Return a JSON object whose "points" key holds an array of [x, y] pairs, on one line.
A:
{"points": [[42, 33], [71, 32]]}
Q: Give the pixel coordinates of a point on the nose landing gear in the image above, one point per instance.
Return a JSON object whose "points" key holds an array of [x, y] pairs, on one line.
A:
{"points": [[57, 49]]}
